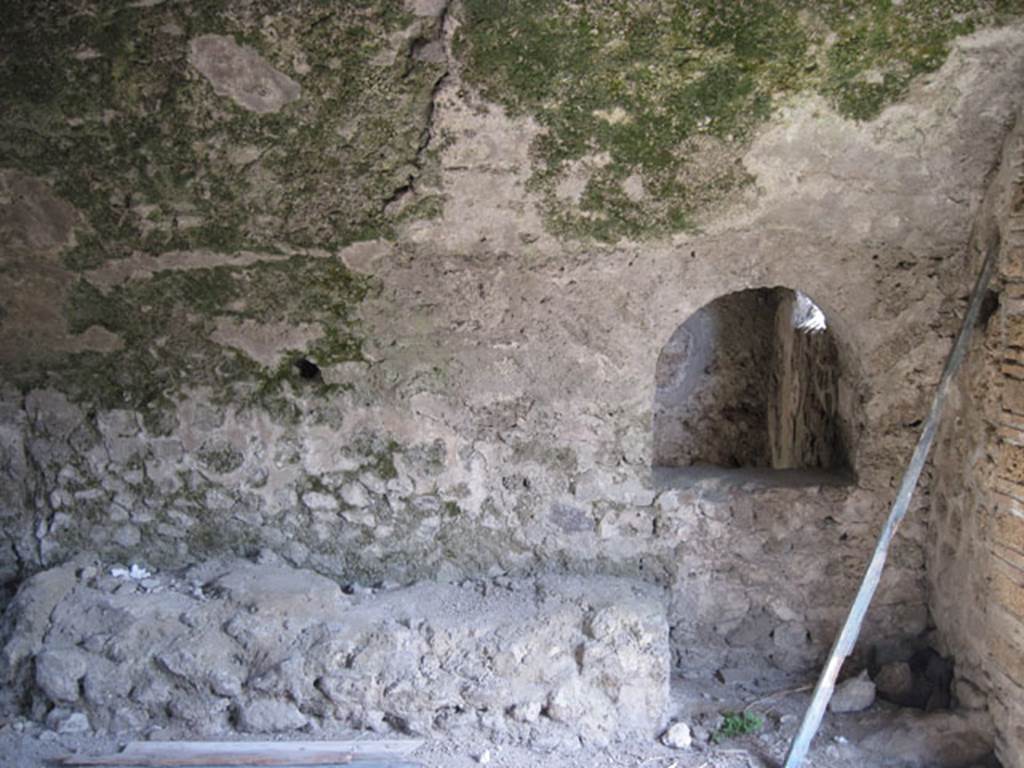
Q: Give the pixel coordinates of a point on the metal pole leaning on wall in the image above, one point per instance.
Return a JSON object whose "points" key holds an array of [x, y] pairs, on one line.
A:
{"points": [[851, 629]]}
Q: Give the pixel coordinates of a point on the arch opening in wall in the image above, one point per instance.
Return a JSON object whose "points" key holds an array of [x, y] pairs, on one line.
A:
{"points": [[751, 380]]}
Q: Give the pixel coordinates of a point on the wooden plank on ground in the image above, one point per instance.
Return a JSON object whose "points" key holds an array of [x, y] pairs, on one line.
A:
{"points": [[205, 760], [353, 747], [209, 754], [200, 760]]}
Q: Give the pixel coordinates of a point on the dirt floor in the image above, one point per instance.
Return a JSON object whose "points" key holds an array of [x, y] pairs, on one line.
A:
{"points": [[883, 735]]}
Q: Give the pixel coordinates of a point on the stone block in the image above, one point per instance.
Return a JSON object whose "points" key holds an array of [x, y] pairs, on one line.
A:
{"points": [[1015, 331], [241, 74], [1010, 429], [1008, 591], [270, 716], [1008, 492], [853, 695], [1012, 395], [355, 495], [1008, 657], [677, 736], [322, 502], [278, 646], [1008, 528], [1013, 370], [1011, 463], [895, 681], [1012, 262], [58, 672]]}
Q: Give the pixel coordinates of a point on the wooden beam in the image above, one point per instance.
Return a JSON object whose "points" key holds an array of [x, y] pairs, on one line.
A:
{"points": [[355, 746], [154, 754], [210, 760]]}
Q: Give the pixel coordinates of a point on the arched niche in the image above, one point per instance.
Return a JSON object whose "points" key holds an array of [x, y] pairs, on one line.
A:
{"points": [[751, 380]]}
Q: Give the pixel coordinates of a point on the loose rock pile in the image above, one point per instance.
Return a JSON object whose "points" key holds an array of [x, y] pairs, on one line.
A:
{"points": [[262, 648]]}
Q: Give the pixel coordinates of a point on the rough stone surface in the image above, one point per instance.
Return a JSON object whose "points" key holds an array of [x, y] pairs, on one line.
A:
{"points": [[484, 260], [35, 224], [75, 722], [58, 673], [943, 740], [677, 736], [268, 649], [853, 695], [976, 547], [462, 447], [242, 74], [895, 681], [841, 742], [270, 716]]}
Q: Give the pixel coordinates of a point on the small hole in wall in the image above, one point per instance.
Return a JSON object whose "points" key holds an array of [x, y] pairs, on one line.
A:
{"points": [[307, 368]]}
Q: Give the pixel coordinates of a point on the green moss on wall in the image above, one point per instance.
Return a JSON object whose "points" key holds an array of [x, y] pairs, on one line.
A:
{"points": [[881, 46], [653, 103], [383, 463], [100, 99], [167, 321], [220, 456]]}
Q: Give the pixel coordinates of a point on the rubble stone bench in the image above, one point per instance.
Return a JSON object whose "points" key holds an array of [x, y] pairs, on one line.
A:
{"points": [[266, 648]]}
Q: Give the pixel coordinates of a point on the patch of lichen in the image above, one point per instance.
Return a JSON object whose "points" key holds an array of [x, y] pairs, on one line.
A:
{"points": [[647, 107], [167, 322], [220, 457], [881, 46], [383, 463], [100, 99], [213, 536]]}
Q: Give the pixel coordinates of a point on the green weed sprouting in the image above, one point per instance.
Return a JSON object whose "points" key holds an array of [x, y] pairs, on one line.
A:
{"points": [[737, 724]]}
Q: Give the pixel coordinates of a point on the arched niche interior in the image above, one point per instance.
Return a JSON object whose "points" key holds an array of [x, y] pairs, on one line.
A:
{"points": [[750, 381]]}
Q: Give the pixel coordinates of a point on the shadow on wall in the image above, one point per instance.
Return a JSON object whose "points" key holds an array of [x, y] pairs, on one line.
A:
{"points": [[750, 381]]}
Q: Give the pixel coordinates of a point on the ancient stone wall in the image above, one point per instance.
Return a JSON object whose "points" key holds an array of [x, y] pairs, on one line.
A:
{"points": [[483, 347], [976, 557]]}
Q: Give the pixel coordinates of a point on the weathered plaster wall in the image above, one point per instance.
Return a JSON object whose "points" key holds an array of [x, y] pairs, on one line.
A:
{"points": [[976, 552], [487, 358]]}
